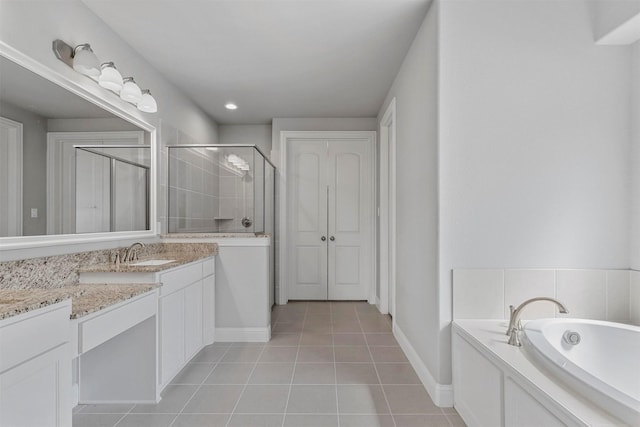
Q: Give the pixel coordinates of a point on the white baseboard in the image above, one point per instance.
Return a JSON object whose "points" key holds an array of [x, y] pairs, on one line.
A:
{"points": [[441, 394], [243, 334]]}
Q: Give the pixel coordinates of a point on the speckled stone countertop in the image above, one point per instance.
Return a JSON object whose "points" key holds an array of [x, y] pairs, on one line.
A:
{"points": [[85, 299], [179, 253]]}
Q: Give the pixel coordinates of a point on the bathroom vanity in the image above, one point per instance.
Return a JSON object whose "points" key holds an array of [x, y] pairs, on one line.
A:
{"points": [[123, 332]]}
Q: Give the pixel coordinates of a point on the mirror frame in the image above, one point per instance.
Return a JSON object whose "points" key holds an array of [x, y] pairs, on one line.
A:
{"points": [[95, 97]]}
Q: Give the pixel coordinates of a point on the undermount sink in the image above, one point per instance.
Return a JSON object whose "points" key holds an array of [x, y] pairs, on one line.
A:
{"points": [[152, 262]]}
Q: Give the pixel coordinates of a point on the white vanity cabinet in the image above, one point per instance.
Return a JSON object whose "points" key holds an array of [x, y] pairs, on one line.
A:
{"points": [[186, 308], [35, 368]]}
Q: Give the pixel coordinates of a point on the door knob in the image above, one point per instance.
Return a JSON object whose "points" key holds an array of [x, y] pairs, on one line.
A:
{"points": [[323, 238], [332, 238]]}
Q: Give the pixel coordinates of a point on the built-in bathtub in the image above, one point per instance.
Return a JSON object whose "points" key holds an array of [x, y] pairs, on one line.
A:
{"points": [[604, 366]]}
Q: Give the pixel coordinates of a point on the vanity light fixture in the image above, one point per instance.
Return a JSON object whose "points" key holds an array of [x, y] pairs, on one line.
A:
{"points": [[83, 60], [110, 77], [130, 91], [147, 103], [230, 106]]}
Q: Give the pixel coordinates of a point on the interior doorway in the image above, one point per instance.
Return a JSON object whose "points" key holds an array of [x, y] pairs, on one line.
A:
{"points": [[387, 243], [330, 216]]}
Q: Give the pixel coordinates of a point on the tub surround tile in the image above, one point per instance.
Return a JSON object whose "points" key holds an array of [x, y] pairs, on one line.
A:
{"points": [[521, 285], [479, 294], [590, 294], [618, 295], [584, 292]]}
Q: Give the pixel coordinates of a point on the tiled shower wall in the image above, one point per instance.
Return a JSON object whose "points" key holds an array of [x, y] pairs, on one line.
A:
{"points": [[193, 195], [612, 295]]}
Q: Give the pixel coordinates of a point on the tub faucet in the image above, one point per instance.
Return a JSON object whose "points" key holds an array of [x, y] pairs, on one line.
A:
{"points": [[515, 326], [131, 254]]}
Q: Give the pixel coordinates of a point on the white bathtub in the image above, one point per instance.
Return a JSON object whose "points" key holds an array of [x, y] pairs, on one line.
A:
{"points": [[604, 366]]}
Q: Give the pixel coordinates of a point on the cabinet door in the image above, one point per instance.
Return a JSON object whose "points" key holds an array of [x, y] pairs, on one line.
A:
{"points": [[38, 392], [209, 309], [172, 337], [193, 319], [477, 386], [523, 410]]}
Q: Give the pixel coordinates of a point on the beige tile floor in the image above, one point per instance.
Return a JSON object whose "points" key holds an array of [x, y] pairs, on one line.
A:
{"points": [[327, 364]]}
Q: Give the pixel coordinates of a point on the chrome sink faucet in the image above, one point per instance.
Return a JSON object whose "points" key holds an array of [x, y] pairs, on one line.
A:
{"points": [[515, 326], [131, 254]]}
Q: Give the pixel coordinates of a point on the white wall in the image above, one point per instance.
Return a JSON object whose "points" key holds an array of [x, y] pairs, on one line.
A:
{"points": [[416, 91], [535, 131], [609, 15], [635, 159], [31, 27], [246, 134]]}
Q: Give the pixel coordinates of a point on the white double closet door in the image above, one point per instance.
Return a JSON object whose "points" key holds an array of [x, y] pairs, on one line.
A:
{"points": [[330, 190]]}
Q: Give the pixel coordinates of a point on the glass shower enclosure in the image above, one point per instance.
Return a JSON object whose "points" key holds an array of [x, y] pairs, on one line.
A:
{"points": [[112, 188], [220, 188]]}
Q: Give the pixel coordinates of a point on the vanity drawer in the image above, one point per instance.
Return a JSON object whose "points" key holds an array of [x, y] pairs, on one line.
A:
{"points": [[27, 335], [110, 322], [178, 278]]}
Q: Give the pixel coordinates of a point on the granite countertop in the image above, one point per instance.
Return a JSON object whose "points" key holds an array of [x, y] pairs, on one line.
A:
{"points": [[85, 299], [179, 253]]}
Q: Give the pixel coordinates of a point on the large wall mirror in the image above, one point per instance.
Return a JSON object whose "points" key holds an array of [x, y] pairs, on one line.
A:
{"points": [[69, 166]]}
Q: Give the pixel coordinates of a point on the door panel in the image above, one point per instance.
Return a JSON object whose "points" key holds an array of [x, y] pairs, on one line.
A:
{"points": [[308, 207], [350, 203], [330, 188]]}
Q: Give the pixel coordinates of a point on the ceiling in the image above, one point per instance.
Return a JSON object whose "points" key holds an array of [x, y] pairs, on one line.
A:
{"points": [[274, 58]]}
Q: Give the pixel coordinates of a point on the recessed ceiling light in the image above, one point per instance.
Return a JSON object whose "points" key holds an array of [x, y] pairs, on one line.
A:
{"points": [[230, 106]]}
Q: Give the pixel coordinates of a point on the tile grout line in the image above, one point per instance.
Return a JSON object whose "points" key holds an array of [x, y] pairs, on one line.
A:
{"points": [[125, 415], [233, 411], [199, 386], [295, 365], [375, 367]]}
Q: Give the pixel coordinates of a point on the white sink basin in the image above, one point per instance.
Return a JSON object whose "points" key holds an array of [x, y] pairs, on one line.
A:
{"points": [[153, 262]]}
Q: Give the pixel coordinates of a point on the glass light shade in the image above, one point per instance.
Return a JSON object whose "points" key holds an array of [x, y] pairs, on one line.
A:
{"points": [[110, 78], [130, 91], [147, 103], [85, 61]]}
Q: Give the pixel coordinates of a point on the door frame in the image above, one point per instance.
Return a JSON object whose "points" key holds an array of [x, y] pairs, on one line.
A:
{"points": [[387, 243], [283, 247], [17, 165]]}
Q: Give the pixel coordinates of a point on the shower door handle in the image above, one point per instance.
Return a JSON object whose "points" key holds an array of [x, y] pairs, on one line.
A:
{"points": [[323, 238]]}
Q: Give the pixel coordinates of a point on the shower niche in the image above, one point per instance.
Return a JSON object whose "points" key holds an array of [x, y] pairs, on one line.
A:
{"points": [[220, 189]]}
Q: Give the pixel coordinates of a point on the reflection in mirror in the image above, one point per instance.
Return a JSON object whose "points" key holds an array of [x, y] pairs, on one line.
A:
{"points": [[67, 166]]}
